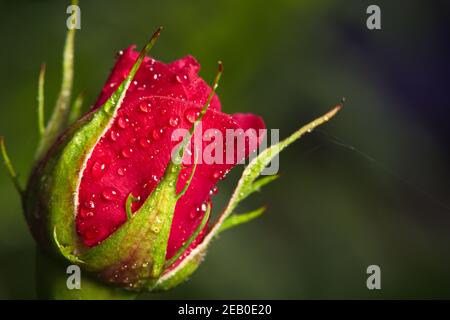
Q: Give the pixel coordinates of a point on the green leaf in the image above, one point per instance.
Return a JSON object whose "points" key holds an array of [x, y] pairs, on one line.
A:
{"points": [[237, 219], [256, 186]]}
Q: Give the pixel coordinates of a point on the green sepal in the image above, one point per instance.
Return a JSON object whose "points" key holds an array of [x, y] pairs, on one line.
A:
{"points": [[75, 112], [181, 272], [128, 203], [40, 100], [238, 219], [8, 164], [66, 251], [191, 239], [58, 120]]}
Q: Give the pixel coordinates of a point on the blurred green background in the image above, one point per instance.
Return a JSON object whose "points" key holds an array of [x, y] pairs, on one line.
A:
{"points": [[382, 199]]}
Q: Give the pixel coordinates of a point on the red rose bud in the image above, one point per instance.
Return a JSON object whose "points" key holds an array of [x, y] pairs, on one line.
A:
{"points": [[106, 194]]}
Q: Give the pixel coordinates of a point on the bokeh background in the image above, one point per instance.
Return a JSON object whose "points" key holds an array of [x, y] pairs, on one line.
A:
{"points": [[370, 187]]}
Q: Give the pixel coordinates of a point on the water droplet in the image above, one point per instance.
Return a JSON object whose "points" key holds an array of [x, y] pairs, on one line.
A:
{"points": [[191, 114], [213, 191], [174, 121], [109, 194], [157, 132], [86, 214], [144, 142], [154, 178], [89, 204], [163, 111], [127, 152], [145, 107], [155, 229], [98, 169], [114, 135], [142, 88], [123, 122], [217, 174], [122, 171], [182, 78]]}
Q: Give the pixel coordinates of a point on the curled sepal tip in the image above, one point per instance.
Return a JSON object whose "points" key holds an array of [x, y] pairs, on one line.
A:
{"points": [[8, 164]]}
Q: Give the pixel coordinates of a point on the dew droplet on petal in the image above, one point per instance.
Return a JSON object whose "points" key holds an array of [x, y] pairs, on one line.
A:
{"points": [[163, 111], [89, 204], [213, 191], [182, 78], [217, 174], [114, 135], [157, 132], [174, 121], [191, 114], [144, 106], [144, 142], [127, 152], [109, 194], [85, 214], [123, 122], [98, 169], [121, 171], [201, 209]]}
